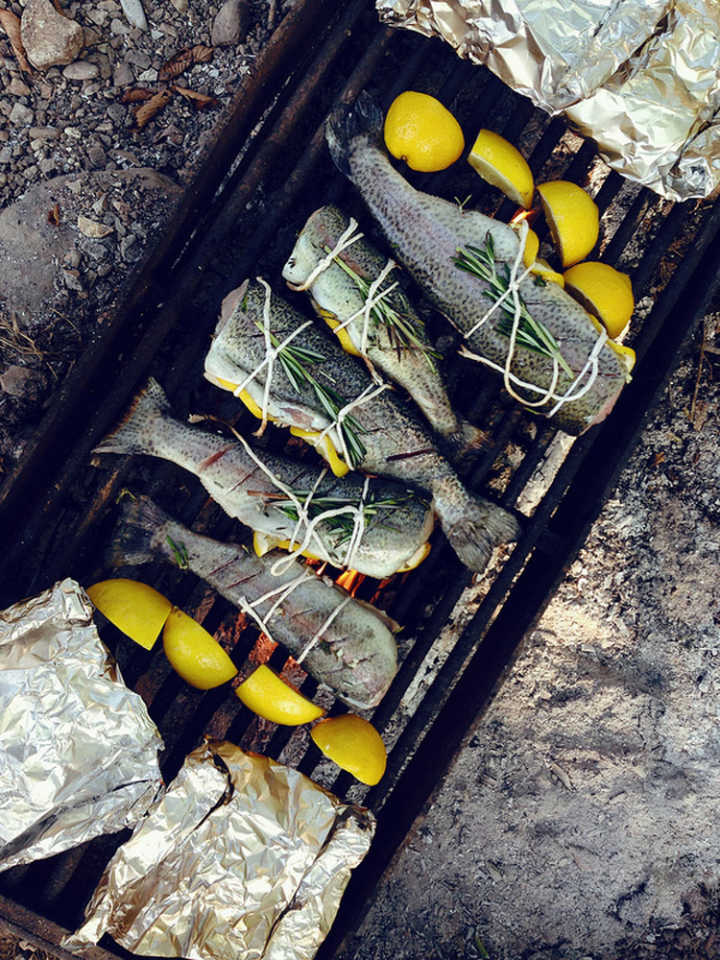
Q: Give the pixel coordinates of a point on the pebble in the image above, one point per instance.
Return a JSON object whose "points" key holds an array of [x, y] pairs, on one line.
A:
{"points": [[148, 76], [49, 38], [116, 112], [17, 88], [97, 155], [122, 75], [21, 115], [133, 10], [48, 165], [81, 70], [6, 155], [139, 59], [43, 133], [119, 28], [15, 380], [231, 23]]}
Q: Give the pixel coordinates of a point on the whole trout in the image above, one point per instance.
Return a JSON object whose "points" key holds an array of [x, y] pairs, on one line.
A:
{"points": [[313, 381], [396, 525], [355, 653], [394, 338], [428, 233]]}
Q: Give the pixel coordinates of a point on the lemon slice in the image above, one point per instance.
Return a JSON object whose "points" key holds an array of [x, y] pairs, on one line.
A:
{"points": [[422, 132], [604, 292], [197, 657], [135, 608], [353, 744], [267, 694], [573, 218], [502, 165], [263, 543], [542, 268]]}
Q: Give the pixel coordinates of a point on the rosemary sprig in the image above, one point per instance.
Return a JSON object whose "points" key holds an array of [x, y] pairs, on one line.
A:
{"points": [[179, 553], [531, 333], [342, 523], [405, 332], [293, 359]]}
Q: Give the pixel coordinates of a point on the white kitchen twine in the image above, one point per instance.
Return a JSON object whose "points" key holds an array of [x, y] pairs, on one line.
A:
{"points": [[574, 391]]}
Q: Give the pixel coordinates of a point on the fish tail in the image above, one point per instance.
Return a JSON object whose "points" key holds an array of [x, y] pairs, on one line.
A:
{"points": [[473, 525], [132, 538], [136, 431], [348, 124]]}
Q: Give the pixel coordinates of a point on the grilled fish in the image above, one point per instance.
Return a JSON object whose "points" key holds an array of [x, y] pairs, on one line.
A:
{"points": [[396, 521], [355, 653], [427, 234], [313, 381], [394, 338]]}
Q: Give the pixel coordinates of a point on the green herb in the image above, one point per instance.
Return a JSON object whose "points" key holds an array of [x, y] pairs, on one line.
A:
{"points": [[341, 523], [531, 333], [179, 553], [406, 332], [463, 203], [293, 360]]}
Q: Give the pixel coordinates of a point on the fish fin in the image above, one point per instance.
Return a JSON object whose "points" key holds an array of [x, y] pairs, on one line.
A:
{"points": [[466, 441], [131, 541], [348, 123], [134, 433], [473, 525]]}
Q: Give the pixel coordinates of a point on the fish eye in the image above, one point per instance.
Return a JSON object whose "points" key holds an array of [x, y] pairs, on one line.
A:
{"points": [[291, 262]]}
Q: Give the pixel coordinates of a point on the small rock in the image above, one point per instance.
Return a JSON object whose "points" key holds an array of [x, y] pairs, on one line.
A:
{"points": [[81, 70], [92, 37], [118, 28], [17, 381], [148, 76], [126, 247], [122, 75], [97, 155], [72, 280], [48, 165], [116, 112], [6, 155], [17, 88], [180, 5], [92, 228], [43, 133], [72, 258], [230, 24], [134, 13], [139, 59], [21, 115], [49, 38]]}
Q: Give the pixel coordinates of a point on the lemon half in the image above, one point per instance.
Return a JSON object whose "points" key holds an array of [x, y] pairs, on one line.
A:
{"points": [[135, 608], [502, 165], [603, 291], [422, 132], [573, 218], [353, 744], [268, 695]]}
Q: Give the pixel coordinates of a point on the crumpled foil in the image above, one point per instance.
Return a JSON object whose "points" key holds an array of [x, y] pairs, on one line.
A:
{"points": [[242, 857], [78, 751], [640, 77]]}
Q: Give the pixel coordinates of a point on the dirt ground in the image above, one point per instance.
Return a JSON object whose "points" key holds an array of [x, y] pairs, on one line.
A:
{"points": [[578, 821]]}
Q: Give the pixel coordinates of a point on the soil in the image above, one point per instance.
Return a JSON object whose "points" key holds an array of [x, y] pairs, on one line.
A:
{"points": [[578, 819]]}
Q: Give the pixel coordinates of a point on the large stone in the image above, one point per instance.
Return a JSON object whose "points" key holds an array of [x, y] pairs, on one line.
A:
{"points": [[230, 24], [49, 38]]}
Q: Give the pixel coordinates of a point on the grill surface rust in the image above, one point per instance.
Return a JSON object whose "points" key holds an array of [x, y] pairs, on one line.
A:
{"points": [[268, 171]]}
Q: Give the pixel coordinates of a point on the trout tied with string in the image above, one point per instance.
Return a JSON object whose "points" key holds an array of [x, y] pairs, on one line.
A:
{"points": [[289, 371], [553, 357], [355, 289], [376, 526], [342, 642]]}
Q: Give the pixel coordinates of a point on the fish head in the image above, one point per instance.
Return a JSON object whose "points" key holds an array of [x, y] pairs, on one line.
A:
{"points": [[317, 237], [225, 362]]}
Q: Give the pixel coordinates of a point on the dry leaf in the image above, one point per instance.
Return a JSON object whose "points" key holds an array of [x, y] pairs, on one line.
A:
{"points": [[201, 100], [145, 113], [176, 65], [136, 95], [11, 25], [201, 53], [659, 458], [53, 216], [93, 229]]}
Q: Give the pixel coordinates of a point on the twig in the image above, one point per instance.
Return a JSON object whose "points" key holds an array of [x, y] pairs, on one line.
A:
{"points": [[698, 378]]}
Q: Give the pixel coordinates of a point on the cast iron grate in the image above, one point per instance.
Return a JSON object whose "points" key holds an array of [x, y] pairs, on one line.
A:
{"points": [[58, 511]]}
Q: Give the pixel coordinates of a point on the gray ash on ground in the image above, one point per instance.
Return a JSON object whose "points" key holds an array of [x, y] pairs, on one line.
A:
{"points": [[70, 147]]}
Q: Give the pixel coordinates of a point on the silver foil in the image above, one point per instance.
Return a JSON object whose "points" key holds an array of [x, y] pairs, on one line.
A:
{"points": [[242, 857], [78, 751], [640, 77]]}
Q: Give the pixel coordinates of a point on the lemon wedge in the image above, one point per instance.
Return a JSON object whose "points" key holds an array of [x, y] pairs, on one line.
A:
{"points": [[135, 608], [267, 694], [353, 744], [573, 218], [541, 268], [194, 654], [502, 165], [422, 132], [603, 291]]}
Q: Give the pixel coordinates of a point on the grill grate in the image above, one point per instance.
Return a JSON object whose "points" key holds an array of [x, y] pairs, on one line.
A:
{"points": [[243, 222]]}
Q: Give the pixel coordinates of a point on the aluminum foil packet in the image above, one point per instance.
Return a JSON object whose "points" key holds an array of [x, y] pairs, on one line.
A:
{"points": [[78, 750], [639, 77], [242, 857]]}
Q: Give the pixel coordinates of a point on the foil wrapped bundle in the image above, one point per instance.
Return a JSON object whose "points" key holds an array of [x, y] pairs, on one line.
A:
{"points": [[242, 857], [639, 77], [78, 750]]}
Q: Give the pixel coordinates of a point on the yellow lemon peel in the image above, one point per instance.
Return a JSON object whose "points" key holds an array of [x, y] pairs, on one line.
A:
{"points": [[133, 607], [502, 165], [354, 745], [194, 654], [422, 132], [269, 696], [573, 218], [603, 291]]}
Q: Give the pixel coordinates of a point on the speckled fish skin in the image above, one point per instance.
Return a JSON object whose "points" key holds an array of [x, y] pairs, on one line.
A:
{"points": [[425, 233], [356, 655], [391, 537], [334, 292], [396, 443]]}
